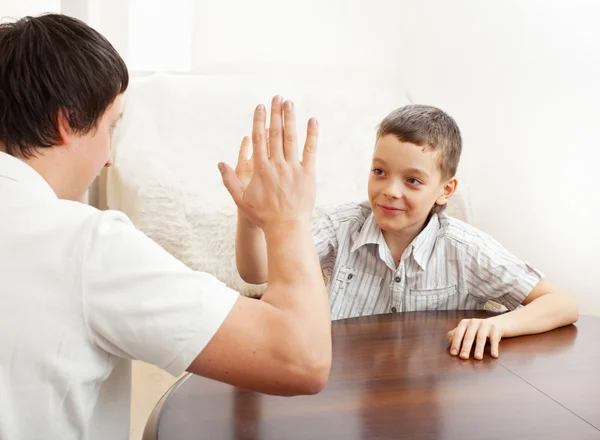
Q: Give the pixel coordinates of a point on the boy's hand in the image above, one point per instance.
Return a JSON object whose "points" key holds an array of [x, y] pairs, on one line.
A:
{"points": [[476, 331], [245, 166], [281, 189]]}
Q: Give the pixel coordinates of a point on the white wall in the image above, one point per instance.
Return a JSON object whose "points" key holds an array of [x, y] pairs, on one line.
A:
{"points": [[520, 76], [522, 80], [19, 8]]}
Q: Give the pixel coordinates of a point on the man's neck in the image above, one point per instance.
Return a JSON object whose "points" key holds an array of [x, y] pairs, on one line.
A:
{"points": [[49, 164]]}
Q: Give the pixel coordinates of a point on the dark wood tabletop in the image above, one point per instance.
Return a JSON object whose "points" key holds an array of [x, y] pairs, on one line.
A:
{"points": [[393, 378]]}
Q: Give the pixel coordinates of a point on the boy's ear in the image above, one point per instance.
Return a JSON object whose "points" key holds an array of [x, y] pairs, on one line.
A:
{"points": [[448, 190], [64, 128]]}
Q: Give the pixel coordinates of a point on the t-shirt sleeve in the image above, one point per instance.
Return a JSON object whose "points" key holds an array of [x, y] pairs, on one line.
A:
{"points": [[142, 303], [494, 273], [324, 237]]}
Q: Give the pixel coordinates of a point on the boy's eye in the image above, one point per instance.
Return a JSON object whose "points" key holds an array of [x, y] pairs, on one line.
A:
{"points": [[378, 171], [414, 181]]}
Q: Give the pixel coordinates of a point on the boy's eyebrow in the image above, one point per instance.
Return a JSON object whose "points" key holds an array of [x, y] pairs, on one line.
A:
{"points": [[419, 171]]}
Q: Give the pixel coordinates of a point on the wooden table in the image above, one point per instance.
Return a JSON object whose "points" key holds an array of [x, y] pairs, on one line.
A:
{"points": [[392, 378]]}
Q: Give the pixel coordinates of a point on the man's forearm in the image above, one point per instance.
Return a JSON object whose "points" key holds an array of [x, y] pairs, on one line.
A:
{"points": [[296, 285]]}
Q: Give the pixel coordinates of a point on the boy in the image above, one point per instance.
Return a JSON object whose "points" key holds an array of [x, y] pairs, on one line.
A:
{"points": [[82, 292], [400, 252]]}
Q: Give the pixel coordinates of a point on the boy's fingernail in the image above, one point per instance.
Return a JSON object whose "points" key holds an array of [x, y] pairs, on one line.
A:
{"points": [[221, 167], [478, 355], [464, 353], [260, 108], [289, 105], [454, 351]]}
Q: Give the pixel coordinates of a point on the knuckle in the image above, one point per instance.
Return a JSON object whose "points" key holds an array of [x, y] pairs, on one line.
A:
{"points": [[257, 137]]}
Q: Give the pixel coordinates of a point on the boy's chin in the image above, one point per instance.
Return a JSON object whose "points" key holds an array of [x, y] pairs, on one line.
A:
{"points": [[389, 225]]}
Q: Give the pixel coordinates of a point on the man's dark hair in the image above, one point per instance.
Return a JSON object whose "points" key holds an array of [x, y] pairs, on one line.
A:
{"points": [[49, 64]]}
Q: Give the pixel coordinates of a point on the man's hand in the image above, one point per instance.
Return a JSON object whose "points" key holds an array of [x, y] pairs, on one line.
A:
{"points": [[280, 189], [476, 331]]}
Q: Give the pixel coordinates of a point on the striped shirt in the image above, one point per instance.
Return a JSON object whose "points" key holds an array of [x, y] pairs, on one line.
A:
{"points": [[450, 265]]}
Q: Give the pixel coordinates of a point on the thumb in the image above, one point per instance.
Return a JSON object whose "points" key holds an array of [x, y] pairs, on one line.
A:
{"points": [[232, 182]]}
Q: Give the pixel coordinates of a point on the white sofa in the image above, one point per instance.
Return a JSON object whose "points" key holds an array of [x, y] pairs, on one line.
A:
{"points": [[176, 128]]}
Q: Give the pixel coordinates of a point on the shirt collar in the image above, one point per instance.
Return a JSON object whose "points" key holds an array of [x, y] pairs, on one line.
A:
{"points": [[368, 234], [421, 247], [16, 170]]}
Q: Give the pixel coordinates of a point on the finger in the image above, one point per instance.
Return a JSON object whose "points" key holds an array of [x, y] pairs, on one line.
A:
{"points": [[244, 149], [290, 139], [469, 338], [495, 343], [276, 130], [482, 336], [259, 143], [457, 337], [267, 141], [309, 155], [449, 336], [232, 183]]}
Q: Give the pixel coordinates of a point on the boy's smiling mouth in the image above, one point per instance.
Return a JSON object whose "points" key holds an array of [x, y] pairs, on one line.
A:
{"points": [[390, 210]]}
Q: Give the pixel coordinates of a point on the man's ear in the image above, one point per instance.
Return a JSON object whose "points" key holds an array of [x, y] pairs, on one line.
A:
{"points": [[64, 128], [448, 190]]}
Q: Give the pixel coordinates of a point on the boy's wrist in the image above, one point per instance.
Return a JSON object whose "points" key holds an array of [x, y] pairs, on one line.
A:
{"points": [[245, 220], [504, 324]]}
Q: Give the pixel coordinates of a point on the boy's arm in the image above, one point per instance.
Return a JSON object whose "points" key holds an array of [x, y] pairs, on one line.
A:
{"points": [[545, 309], [497, 274], [250, 251], [250, 245]]}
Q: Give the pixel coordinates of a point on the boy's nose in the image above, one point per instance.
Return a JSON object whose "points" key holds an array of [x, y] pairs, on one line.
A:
{"points": [[393, 191]]}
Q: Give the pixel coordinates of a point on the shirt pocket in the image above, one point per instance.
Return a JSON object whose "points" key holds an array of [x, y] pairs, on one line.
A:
{"points": [[354, 293], [439, 298]]}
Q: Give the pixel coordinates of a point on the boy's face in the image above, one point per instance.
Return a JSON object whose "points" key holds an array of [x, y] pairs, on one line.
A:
{"points": [[404, 184]]}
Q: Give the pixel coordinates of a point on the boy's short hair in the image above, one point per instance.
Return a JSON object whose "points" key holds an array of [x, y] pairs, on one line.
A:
{"points": [[431, 128], [49, 64]]}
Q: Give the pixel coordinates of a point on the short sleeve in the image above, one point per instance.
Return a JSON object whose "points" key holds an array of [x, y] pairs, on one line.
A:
{"points": [[142, 303], [324, 237], [494, 273]]}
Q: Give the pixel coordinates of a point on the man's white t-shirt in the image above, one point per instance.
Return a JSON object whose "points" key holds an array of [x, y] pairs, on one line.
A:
{"points": [[82, 292]]}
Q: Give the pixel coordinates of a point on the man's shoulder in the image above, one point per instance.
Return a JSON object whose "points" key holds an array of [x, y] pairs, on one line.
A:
{"points": [[89, 219]]}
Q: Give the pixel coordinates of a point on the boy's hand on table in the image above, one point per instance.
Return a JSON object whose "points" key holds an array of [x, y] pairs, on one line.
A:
{"points": [[474, 333]]}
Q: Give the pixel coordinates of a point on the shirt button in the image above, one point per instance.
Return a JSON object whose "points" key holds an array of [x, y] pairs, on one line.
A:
{"points": [[350, 276], [394, 309], [397, 279]]}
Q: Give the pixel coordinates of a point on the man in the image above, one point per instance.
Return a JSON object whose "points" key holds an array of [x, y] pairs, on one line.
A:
{"points": [[82, 292]]}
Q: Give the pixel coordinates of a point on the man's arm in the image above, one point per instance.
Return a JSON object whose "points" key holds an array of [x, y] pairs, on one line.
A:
{"points": [[280, 344]]}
